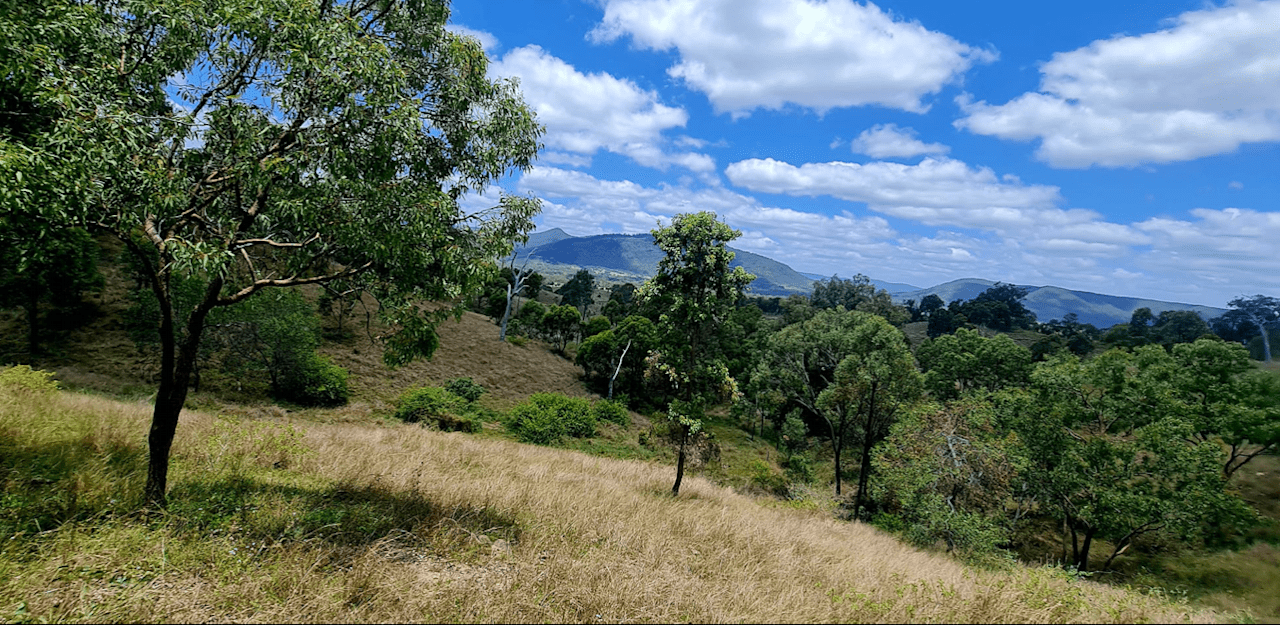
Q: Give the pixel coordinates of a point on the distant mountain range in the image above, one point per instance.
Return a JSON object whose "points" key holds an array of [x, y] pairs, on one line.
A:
{"points": [[1051, 302], [634, 257]]}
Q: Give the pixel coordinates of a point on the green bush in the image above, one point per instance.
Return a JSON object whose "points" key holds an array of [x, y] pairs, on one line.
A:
{"points": [[439, 407], [765, 478], [425, 403], [547, 417], [24, 379], [466, 388], [800, 469], [315, 381], [612, 411]]}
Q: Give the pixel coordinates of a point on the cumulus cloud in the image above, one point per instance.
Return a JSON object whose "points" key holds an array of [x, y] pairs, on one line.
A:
{"points": [[890, 141], [1204, 86], [748, 54], [948, 192], [585, 113], [934, 191]]}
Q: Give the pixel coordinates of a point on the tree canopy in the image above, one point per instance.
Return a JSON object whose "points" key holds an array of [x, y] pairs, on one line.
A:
{"points": [[252, 149], [696, 289]]}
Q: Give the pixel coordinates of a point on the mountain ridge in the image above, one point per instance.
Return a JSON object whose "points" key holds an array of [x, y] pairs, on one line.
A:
{"points": [[633, 257]]}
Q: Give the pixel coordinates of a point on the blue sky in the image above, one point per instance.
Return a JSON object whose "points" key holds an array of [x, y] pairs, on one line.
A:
{"points": [[1120, 148]]}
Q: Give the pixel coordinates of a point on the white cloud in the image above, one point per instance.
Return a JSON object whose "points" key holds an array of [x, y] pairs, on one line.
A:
{"points": [[890, 141], [934, 191], [1204, 86], [584, 113], [487, 40], [1235, 185], [1229, 251], [748, 54], [583, 204]]}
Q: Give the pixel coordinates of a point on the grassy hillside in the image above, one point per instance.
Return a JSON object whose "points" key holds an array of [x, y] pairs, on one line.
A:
{"points": [[275, 520]]}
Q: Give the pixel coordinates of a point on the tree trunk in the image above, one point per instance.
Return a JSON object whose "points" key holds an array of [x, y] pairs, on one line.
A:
{"points": [[836, 447], [618, 369], [864, 478], [176, 365], [684, 439], [1266, 344], [1082, 559], [506, 316]]}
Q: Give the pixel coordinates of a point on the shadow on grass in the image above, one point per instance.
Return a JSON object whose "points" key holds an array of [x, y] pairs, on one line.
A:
{"points": [[339, 514], [44, 486], [87, 481]]}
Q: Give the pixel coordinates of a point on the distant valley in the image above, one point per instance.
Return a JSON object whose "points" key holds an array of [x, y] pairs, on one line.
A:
{"points": [[618, 258]]}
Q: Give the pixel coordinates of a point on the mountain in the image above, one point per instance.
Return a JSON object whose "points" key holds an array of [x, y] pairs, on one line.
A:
{"points": [[544, 237], [891, 287], [1051, 302], [636, 255]]}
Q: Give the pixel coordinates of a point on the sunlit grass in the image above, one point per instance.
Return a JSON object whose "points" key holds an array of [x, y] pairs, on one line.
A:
{"points": [[273, 521]]}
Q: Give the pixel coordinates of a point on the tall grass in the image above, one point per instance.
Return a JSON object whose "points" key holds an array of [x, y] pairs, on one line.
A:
{"points": [[272, 521]]}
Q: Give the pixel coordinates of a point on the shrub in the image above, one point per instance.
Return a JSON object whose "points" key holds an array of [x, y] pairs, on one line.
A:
{"points": [[800, 469], [24, 379], [466, 388], [547, 417], [316, 381], [613, 411], [425, 403], [765, 478]]}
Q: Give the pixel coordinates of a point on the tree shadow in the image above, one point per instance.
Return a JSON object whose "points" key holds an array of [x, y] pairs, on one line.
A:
{"points": [[91, 480], [341, 514]]}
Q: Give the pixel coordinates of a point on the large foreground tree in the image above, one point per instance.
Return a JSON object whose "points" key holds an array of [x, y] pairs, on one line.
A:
{"points": [[252, 145]]}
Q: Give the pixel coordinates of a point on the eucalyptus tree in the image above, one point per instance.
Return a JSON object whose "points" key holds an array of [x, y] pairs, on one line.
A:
{"points": [[966, 361], [1112, 450], [1259, 313], [872, 386], [799, 363], [696, 290], [252, 145]]}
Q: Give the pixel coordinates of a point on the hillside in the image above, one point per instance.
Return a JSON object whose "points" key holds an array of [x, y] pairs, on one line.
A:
{"points": [[287, 521]]}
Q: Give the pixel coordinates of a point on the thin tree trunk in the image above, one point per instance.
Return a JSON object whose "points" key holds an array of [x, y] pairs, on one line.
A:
{"points": [[864, 477], [1266, 343], [837, 448], [506, 316], [684, 439], [618, 368]]}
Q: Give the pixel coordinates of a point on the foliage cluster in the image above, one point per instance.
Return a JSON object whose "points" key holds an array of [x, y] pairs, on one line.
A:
{"points": [[546, 418], [450, 409]]}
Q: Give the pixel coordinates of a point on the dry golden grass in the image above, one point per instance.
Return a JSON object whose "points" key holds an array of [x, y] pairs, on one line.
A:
{"points": [[429, 526]]}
